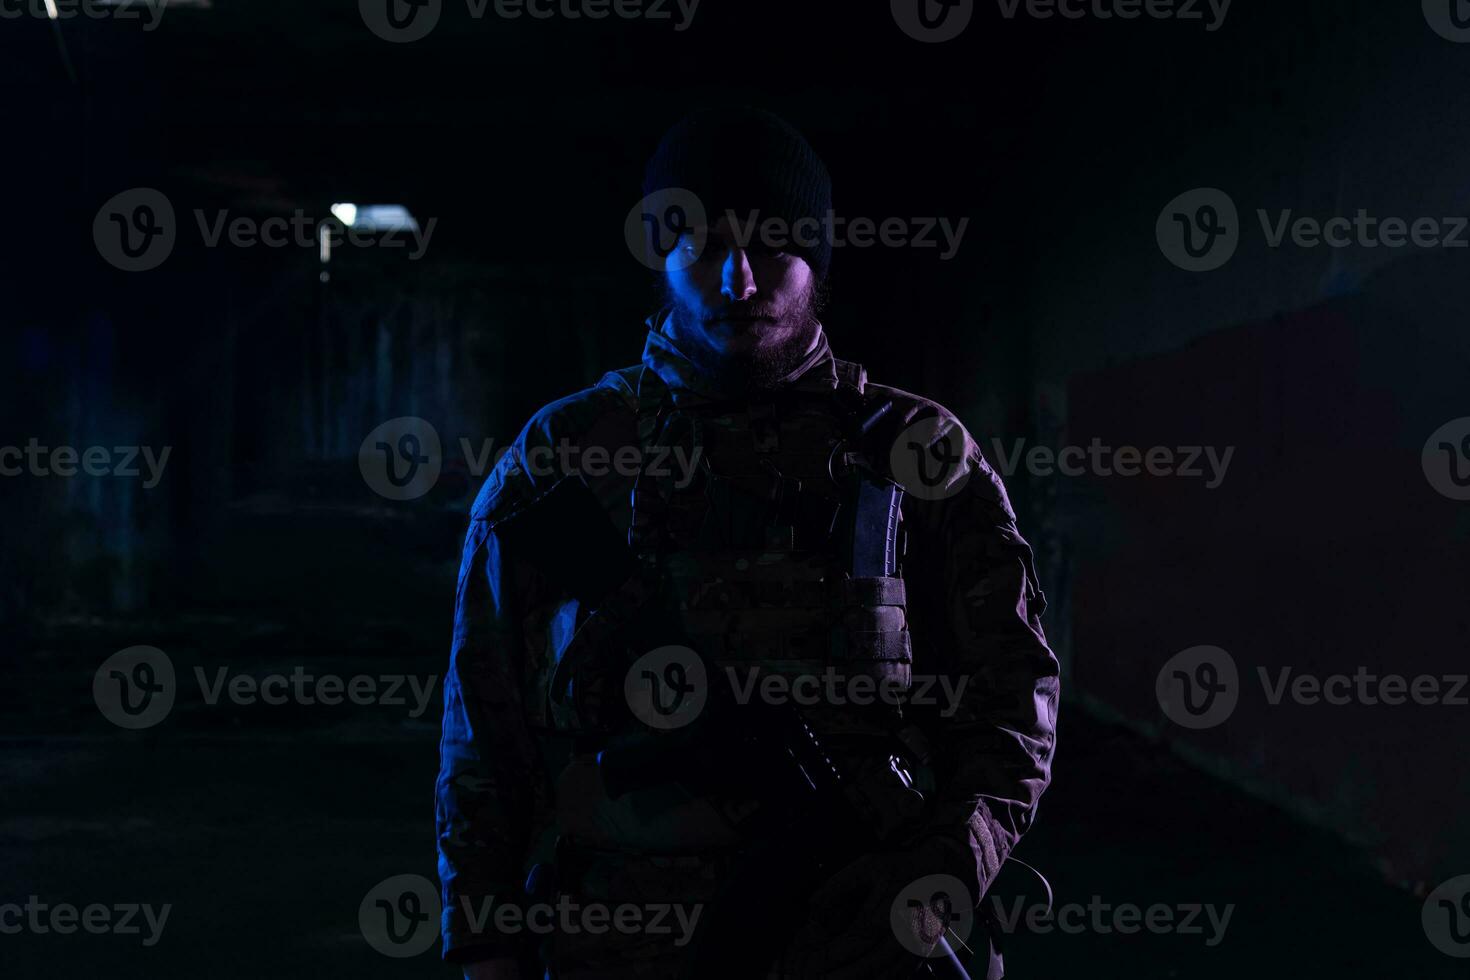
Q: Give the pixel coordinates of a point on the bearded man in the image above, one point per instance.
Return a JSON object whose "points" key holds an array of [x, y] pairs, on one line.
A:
{"points": [[767, 694]]}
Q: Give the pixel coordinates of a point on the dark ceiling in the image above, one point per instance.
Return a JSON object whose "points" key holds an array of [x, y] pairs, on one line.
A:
{"points": [[529, 134]]}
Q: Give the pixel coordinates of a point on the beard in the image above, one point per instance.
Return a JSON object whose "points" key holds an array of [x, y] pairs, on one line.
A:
{"points": [[746, 346]]}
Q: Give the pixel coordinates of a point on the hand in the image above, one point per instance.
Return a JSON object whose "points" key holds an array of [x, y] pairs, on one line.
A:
{"points": [[852, 930], [498, 969]]}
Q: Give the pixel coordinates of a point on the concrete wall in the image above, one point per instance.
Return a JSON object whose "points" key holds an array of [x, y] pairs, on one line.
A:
{"points": [[1325, 548]]}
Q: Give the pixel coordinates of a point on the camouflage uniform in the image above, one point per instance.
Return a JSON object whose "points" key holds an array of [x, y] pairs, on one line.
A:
{"points": [[746, 571]]}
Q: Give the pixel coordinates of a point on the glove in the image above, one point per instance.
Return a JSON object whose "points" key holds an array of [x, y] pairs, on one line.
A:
{"points": [[882, 915]]}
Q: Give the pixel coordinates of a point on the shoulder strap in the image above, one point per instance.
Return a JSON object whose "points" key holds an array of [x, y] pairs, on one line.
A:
{"points": [[850, 375], [648, 504]]}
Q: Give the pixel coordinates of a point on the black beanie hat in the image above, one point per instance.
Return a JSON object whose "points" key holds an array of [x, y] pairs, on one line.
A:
{"points": [[745, 160]]}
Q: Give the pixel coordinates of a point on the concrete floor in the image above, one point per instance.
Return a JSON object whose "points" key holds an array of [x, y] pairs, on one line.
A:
{"points": [[265, 827]]}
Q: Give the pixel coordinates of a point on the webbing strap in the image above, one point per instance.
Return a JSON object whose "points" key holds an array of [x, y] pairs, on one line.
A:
{"points": [[851, 375], [648, 505], [865, 645], [884, 591]]}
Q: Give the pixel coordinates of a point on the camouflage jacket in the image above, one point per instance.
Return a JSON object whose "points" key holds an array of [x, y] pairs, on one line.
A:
{"points": [[973, 610]]}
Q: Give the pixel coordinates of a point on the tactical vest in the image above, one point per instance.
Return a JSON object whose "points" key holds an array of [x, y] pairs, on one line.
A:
{"points": [[781, 556]]}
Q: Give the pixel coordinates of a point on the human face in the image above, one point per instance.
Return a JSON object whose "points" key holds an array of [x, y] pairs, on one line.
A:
{"points": [[741, 305]]}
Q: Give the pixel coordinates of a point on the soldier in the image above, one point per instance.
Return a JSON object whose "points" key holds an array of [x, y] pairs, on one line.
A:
{"points": [[748, 675]]}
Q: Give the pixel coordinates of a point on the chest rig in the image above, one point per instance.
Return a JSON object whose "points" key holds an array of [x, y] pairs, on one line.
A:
{"points": [[778, 553]]}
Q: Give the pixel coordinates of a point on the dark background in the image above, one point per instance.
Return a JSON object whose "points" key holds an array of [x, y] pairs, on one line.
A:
{"points": [[263, 548]]}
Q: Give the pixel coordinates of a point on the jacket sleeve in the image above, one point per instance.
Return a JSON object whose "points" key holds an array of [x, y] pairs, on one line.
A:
{"points": [[977, 623], [491, 782]]}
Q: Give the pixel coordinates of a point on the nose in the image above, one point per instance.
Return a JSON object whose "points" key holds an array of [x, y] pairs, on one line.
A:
{"points": [[737, 282]]}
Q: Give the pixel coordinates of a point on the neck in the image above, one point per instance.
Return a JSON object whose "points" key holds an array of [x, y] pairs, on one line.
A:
{"points": [[745, 371]]}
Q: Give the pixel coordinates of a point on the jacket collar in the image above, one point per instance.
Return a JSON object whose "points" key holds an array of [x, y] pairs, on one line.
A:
{"points": [[817, 370]]}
